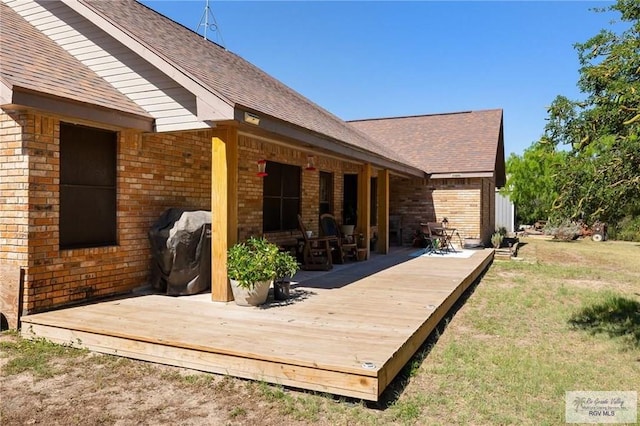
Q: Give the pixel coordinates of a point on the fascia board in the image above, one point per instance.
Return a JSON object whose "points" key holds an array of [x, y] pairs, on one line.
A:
{"points": [[217, 106]]}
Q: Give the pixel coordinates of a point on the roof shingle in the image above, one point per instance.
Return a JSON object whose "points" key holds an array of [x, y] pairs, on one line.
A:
{"points": [[228, 75], [463, 142], [30, 60]]}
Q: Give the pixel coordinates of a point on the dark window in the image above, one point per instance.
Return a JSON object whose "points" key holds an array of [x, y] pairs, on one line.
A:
{"points": [[350, 201], [281, 192], [87, 187], [374, 201], [326, 192]]}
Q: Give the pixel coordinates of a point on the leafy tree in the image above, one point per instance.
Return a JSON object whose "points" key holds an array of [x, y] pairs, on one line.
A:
{"points": [[531, 181], [601, 177]]}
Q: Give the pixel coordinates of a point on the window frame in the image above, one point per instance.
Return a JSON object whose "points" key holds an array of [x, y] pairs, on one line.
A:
{"points": [[284, 199], [88, 187], [325, 205]]}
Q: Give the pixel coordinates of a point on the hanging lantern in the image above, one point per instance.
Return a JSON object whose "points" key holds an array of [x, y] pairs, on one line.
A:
{"points": [[262, 167], [311, 166]]}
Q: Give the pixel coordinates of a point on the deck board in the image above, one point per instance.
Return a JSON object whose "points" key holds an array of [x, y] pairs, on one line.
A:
{"points": [[318, 341]]}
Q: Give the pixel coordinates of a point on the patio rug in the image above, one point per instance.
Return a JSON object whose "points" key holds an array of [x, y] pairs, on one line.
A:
{"points": [[460, 254]]}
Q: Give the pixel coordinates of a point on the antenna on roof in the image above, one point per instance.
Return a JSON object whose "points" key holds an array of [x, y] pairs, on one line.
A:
{"points": [[208, 21]]}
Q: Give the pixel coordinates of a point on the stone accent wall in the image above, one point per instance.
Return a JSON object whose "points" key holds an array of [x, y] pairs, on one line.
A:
{"points": [[155, 172]]}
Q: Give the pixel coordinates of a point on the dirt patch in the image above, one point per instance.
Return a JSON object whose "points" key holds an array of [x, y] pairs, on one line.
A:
{"points": [[509, 341], [98, 389]]}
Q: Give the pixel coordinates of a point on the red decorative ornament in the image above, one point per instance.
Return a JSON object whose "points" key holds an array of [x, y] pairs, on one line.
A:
{"points": [[262, 166], [310, 163]]}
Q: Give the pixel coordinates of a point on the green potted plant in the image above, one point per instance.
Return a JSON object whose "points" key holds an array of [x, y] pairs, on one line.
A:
{"points": [[496, 239], [251, 268], [286, 267]]}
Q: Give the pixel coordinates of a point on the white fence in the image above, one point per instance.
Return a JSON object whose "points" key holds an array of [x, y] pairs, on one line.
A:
{"points": [[505, 212]]}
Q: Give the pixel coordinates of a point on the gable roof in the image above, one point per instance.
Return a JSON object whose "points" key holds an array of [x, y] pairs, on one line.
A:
{"points": [[32, 62], [232, 78], [224, 84], [461, 144]]}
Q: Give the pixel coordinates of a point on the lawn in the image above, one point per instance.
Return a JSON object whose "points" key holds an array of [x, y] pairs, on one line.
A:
{"points": [[563, 317]]}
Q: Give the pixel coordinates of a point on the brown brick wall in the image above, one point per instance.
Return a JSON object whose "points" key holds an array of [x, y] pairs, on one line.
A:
{"points": [[488, 223], [412, 200], [155, 172], [461, 201], [14, 215], [250, 186]]}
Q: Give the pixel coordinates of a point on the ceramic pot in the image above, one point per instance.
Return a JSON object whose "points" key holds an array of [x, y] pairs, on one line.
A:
{"points": [[347, 230], [254, 296], [281, 290]]}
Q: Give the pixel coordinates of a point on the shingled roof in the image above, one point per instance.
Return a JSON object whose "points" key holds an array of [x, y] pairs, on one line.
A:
{"points": [[447, 143], [234, 79], [30, 60], [466, 143]]}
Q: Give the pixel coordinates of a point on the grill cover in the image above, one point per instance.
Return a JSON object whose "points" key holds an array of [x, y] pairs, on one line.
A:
{"points": [[181, 249]]}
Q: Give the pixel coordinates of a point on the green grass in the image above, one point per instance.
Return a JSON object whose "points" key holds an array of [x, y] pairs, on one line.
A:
{"points": [[35, 356], [616, 316], [565, 317]]}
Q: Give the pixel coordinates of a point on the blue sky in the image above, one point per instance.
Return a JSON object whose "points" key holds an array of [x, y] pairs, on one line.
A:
{"points": [[361, 59]]}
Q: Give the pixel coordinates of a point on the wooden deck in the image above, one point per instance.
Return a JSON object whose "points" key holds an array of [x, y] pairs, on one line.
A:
{"points": [[346, 332]]}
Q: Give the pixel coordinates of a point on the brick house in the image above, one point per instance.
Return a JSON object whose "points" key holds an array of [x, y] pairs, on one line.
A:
{"points": [[463, 155], [112, 113]]}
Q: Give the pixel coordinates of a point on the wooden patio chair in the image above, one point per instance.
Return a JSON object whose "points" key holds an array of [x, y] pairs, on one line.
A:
{"points": [[316, 253], [344, 246]]}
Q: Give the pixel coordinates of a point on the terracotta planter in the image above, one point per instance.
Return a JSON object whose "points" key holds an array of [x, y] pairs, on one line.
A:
{"points": [[362, 254], [250, 296]]}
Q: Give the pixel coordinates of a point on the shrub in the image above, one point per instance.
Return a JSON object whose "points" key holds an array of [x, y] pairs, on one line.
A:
{"points": [[258, 260], [252, 261], [496, 239], [628, 229], [565, 230]]}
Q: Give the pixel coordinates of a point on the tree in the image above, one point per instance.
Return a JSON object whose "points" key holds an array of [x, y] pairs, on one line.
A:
{"points": [[601, 177], [531, 181]]}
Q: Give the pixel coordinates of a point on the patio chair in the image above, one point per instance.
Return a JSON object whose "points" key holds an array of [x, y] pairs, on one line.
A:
{"points": [[437, 232], [316, 253], [344, 246]]}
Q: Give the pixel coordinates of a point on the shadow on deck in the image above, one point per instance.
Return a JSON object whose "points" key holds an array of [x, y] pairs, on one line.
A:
{"points": [[348, 331]]}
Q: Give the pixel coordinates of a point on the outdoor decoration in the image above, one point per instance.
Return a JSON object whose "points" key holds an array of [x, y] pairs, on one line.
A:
{"points": [[252, 266], [286, 267], [496, 239], [262, 167], [311, 166]]}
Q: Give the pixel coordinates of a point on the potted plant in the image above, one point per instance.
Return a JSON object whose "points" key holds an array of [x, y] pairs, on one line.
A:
{"points": [[251, 268], [350, 217], [286, 267], [496, 239]]}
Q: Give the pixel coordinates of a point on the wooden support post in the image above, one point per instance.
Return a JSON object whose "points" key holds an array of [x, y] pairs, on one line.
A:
{"points": [[364, 204], [382, 245], [224, 205]]}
